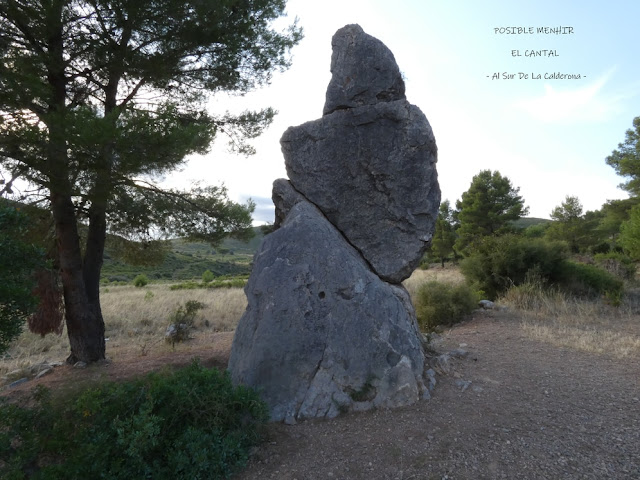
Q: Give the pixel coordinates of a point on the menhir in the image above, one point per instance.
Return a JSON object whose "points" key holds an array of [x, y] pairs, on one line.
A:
{"points": [[328, 326]]}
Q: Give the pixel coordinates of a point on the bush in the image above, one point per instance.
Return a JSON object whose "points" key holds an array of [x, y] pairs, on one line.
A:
{"points": [[616, 263], [141, 280], [440, 303], [208, 276], [181, 321], [589, 280], [192, 423], [186, 314], [497, 263]]}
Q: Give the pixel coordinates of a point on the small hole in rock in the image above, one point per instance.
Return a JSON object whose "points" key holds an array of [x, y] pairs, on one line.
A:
{"points": [[321, 295]]}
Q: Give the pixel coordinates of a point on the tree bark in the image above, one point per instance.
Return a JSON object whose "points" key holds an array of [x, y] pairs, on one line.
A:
{"points": [[85, 326]]}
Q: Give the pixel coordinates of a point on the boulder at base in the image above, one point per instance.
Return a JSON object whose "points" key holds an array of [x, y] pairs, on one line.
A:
{"points": [[323, 334]]}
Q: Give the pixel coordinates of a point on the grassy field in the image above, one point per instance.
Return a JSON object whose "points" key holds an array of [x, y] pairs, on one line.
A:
{"points": [[135, 323], [136, 320], [587, 325]]}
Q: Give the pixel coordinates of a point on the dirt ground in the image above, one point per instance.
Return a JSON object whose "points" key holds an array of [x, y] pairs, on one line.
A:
{"points": [[530, 411]]}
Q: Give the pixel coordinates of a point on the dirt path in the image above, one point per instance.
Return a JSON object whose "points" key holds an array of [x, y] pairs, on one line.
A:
{"points": [[532, 411]]}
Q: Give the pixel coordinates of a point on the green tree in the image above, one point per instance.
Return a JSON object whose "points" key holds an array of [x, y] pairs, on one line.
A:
{"points": [[101, 98], [626, 159], [487, 208], [444, 236], [208, 276], [614, 213], [630, 233], [18, 261], [568, 223]]}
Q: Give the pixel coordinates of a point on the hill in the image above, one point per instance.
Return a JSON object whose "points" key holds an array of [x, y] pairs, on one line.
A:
{"points": [[526, 222], [187, 260]]}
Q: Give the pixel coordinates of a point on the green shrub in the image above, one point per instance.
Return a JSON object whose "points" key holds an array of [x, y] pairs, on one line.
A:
{"points": [[440, 303], [189, 285], [186, 313], [208, 276], [497, 263], [616, 263], [192, 423], [589, 280], [141, 280]]}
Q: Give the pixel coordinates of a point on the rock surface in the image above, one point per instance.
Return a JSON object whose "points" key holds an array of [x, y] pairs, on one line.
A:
{"points": [[371, 170], [322, 333], [363, 71], [284, 197]]}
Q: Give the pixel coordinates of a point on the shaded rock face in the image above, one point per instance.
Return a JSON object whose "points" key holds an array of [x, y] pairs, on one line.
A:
{"points": [[322, 333], [371, 172], [284, 197], [328, 326]]}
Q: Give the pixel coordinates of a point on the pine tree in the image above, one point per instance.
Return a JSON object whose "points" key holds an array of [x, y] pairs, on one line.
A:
{"points": [[487, 208], [100, 98]]}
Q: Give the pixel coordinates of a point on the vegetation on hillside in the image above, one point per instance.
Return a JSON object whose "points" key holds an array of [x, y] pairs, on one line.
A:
{"points": [[185, 260]]}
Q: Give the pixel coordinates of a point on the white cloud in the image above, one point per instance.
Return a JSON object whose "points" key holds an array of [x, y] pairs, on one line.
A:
{"points": [[590, 103]]}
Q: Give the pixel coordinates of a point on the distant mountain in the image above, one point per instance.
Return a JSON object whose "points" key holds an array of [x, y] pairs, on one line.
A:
{"points": [[526, 222]]}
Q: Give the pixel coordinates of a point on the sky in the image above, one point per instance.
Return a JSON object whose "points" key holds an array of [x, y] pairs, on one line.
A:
{"points": [[550, 137]]}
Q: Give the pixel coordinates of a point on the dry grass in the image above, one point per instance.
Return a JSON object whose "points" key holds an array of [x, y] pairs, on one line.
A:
{"points": [[135, 322], [445, 275], [128, 310], [587, 325], [587, 338]]}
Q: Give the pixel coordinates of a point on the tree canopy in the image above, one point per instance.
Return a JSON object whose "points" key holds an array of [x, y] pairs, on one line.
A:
{"points": [[444, 236], [487, 208], [99, 99], [630, 233], [569, 223], [626, 159]]}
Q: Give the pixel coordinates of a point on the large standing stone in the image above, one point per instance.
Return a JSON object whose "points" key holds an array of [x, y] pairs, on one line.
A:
{"points": [[328, 327], [371, 168], [322, 333]]}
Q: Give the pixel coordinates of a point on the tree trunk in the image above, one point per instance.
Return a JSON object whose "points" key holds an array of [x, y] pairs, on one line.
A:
{"points": [[85, 326], [92, 266]]}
